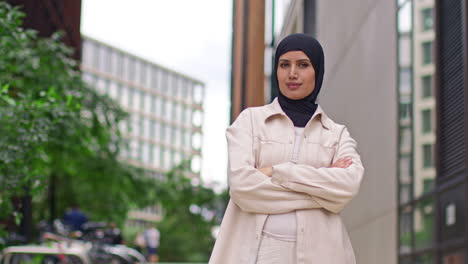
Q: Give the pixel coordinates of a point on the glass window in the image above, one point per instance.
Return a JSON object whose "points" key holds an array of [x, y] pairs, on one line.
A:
{"points": [[427, 53], [177, 158], [427, 19], [405, 17], [119, 66], [405, 168], [135, 125], [131, 92], [146, 126], [168, 110], [405, 139], [113, 90], [167, 159], [426, 86], [126, 67], [162, 138], [168, 134], [147, 103], [113, 62], [188, 139], [131, 69], [405, 80], [197, 118], [423, 223], [183, 88], [404, 50], [87, 53], [405, 193], [176, 137], [196, 141], [188, 116], [405, 110], [141, 73], [124, 96], [147, 79], [156, 156], [157, 131], [100, 85], [163, 75], [405, 230], [426, 121], [427, 156], [137, 100], [96, 53], [157, 106], [155, 79], [140, 150], [198, 94], [134, 149], [427, 258], [182, 138], [196, 164]]}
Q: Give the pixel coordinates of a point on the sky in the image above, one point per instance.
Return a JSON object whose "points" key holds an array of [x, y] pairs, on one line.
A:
{"points": [[190, 37]]}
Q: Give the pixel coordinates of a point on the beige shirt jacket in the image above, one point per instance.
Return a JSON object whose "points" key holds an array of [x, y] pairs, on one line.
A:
{"points": [[264, 136]]}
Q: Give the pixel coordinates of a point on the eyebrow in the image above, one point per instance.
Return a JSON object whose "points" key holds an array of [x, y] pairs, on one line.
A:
{"points": [[297, 60]]}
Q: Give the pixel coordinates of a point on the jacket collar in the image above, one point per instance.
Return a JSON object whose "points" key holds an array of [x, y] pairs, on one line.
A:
{"points": [[274, 108]]}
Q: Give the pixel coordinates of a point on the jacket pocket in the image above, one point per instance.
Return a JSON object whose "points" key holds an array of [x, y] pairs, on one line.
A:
{"points": [[318, 155], [271, 152]]}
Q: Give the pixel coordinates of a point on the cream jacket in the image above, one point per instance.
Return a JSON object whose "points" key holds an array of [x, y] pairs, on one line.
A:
{"points": [[264, 136]]}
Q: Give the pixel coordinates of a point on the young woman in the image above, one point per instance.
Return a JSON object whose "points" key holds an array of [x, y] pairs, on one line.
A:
{"points": [[291, 171]]}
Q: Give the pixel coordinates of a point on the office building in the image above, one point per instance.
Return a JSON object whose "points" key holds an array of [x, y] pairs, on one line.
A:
{"points": [[166, 113]]}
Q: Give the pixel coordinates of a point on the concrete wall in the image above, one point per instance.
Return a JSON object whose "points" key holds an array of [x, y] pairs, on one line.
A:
{"points": [[360, 90]]}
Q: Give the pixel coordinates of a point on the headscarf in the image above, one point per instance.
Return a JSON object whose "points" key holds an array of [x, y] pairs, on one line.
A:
{"points": [[300, 111]]}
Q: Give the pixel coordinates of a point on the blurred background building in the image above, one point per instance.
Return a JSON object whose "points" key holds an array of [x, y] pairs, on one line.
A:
{"points": [[165, 123], [166, 112], [396, 77]]}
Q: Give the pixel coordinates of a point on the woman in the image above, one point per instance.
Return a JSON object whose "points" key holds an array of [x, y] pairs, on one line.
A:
{"points": [[291, 171]]}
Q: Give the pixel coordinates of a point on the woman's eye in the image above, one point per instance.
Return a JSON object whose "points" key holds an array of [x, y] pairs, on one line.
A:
{"points": [[304, 65], [284, 65]]}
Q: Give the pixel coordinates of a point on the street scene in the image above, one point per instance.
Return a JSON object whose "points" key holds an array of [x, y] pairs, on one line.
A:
{"points": [[233, 131]]}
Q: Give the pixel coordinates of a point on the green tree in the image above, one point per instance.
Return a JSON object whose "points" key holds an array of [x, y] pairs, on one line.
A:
{"points": [[59, 140], [191, 211]]}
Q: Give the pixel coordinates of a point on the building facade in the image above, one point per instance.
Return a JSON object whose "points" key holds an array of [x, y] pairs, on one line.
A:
{"points": [[166, 112], [396, 76]]}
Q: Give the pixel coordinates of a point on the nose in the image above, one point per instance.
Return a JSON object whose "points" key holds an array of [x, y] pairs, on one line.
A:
{"points": [[293, 72]]}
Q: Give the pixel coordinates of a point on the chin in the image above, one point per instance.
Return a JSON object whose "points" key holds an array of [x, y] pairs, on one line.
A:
{"points": [[294, 96]]}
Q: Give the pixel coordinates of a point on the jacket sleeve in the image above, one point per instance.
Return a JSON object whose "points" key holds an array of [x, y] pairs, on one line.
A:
{"points": [[332, 188], [250, 189]]}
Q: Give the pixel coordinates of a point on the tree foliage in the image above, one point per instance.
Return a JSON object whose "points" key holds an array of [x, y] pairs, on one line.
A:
{"points": [[54, 126], [191, 212]]}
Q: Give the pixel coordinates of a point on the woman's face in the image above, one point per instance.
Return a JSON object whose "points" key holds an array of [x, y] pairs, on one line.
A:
{"points": [[296, 75]]}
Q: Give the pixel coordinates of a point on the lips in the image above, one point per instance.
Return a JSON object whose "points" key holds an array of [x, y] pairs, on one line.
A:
{"points": [[293, 86]]}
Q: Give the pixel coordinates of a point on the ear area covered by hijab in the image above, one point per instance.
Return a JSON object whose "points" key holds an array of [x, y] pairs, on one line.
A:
{"points": [[300, 111]]}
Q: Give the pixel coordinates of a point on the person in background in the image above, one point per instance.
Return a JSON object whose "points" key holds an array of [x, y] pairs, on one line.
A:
{"points": [[152, 236], [75, 218], [140, 242]]}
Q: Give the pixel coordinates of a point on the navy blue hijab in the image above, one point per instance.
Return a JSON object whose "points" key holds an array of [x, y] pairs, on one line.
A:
{"points": [[300, 111]]}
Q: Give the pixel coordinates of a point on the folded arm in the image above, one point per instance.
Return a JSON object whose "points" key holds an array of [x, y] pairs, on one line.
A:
{"points": [[332, 188], [250, 189]]}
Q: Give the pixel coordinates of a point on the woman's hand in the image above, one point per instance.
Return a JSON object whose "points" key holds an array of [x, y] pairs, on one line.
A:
{"points": [[342, 163], [268, 171]]}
